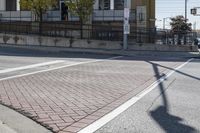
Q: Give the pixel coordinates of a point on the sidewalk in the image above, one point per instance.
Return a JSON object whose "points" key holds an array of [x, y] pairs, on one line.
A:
{"points": [[13, 122], [61, 50], [5, 129]]}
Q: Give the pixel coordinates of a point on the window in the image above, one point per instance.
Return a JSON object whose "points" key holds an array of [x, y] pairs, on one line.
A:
{"points": [[104, 4], [119, 4]]}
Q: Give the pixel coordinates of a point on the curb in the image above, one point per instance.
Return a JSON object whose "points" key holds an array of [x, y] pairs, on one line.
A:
{"points": [[60, 50]]}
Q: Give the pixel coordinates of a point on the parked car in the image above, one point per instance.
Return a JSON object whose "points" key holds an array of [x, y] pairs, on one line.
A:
{"points": [[197, 42]]}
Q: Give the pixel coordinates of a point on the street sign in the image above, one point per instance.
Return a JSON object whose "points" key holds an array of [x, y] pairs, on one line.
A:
{"points": [[126, 15], [127, 29], [194, 11], [126, 12]]}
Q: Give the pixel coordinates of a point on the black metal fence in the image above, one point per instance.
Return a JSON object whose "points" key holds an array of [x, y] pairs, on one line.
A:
{"points": [[142, 35], [168, 37], [104, 31], [63, 29]]}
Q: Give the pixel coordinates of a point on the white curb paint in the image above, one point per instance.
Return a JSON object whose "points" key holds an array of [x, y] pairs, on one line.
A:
{"points": [[105, 119], [56, 68], [31, 66]]}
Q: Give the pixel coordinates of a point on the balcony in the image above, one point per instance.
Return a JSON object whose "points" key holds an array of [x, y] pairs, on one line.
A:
{"points": [[108, 15]]}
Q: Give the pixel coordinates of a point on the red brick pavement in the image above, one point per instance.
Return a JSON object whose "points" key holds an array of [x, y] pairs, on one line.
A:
{"points": [[69, 99]]}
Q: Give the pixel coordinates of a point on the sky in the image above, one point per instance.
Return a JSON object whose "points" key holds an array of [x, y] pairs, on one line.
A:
{"points": [[171, 8]]}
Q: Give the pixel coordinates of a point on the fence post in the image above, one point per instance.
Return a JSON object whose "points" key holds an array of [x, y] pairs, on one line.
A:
{"points": [[20, 15]]}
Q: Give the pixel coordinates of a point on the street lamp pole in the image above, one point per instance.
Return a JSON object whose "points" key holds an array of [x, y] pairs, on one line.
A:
{"points": [[164, 22], [186, 10]]}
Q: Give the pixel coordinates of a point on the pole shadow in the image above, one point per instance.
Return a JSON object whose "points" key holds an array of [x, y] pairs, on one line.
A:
{"points": [[161, 115]]}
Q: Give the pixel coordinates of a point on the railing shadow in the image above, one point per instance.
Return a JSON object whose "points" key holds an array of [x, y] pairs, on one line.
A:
{"points": [[161, 115], [185, 74]]}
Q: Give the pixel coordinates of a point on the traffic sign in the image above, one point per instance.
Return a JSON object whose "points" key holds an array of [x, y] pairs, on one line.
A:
{"points": [[127, 29], [194, 11], [126, 12]]}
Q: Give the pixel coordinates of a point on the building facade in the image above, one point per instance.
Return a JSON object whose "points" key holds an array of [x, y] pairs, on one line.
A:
{"points": [[142, 11], [9, 5]]}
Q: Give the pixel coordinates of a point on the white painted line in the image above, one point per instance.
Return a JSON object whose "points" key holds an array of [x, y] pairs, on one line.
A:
{"points": [[56, 68], [105, 119], [31, 66]]}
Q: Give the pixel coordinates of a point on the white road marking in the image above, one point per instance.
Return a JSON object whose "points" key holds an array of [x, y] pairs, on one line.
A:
{"points": [[110, 116], [31, 66], [56, 68]]}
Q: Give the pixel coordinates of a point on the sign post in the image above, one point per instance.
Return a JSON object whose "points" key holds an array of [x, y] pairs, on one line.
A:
{"points": [[126, 24]]}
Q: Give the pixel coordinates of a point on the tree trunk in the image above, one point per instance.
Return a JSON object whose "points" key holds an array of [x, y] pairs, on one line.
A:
{"points": [[185, 39], [40, 22], [179, 39]]}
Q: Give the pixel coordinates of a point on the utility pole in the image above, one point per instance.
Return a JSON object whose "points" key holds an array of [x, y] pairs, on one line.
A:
{"points": [[185, 18], [164, 23], [194, 26], [186, 10]]}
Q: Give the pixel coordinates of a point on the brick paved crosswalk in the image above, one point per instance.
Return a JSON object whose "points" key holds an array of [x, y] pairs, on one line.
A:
{"points": [[69, 99]]}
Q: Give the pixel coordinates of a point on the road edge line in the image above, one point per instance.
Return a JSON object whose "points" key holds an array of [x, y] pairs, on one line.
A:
{"points": [[30, 66], [56, 68]]}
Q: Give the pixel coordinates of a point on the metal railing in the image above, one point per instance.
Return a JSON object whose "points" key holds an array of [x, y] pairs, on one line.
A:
{"points": [[97, 15], [28, 16], [63, 29], [167, 37], [95, 31]]}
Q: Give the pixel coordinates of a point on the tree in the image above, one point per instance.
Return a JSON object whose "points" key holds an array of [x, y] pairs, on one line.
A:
{"points": [[81, 8], [180, 26], [38, 6]]}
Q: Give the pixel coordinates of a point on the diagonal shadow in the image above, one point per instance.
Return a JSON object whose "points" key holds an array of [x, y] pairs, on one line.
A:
{"points": [[188, 75], [168, 122]]}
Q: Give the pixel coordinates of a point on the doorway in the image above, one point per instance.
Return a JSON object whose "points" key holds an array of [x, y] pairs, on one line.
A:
{"points": [[64, 11], [11, 5]]}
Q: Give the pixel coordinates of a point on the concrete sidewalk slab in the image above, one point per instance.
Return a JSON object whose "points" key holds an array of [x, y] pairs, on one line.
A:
{"points": [[14, 122], [5, 129]]}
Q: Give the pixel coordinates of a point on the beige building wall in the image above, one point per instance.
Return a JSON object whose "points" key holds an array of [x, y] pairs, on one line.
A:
{"points": [[150, 11]]}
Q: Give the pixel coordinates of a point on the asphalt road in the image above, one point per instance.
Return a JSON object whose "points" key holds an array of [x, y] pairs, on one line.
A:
{"points": [[172, 107], [11, 58]]}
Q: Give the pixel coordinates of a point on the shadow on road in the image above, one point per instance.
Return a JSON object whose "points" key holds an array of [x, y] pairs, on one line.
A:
{"points": [[185, 74], [168, 122]]}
